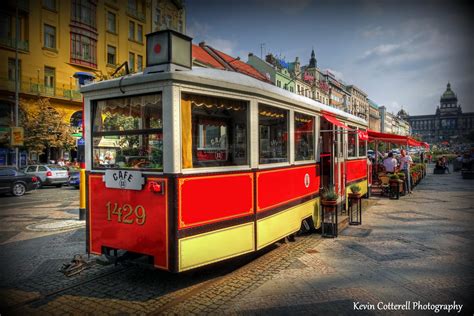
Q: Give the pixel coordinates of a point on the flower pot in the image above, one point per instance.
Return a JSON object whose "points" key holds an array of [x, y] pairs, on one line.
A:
{"points": [[355, 195], [329, 202]]}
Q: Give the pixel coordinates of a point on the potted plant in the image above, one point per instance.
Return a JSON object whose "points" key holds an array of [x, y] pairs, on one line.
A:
{"points": [[396, 183], [329, 197], [355, 189]]}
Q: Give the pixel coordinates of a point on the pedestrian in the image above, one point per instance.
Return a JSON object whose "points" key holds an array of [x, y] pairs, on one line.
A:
{"points": [[405, 163], [390, 163]]}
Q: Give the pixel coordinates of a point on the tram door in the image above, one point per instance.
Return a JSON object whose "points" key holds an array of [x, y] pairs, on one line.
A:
{"points": [[326, 155], [339, 163]]}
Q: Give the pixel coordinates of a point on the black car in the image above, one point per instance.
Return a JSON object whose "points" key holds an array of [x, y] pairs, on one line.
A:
{"points": [[16, 182]]}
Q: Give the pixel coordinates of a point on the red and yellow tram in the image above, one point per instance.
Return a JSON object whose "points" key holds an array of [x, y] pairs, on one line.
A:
{"points": [[198, 166]]}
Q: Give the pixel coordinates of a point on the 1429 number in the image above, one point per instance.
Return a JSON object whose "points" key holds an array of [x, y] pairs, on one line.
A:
{"points": [[125, 213]]}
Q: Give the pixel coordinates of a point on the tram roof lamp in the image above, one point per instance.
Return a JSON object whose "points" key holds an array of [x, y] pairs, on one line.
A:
{"points": [[168, 50]]}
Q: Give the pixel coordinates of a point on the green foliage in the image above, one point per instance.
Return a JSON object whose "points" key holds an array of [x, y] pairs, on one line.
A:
{"points": [[45, 126], [330, 194], [355, 188], [394, 177]]}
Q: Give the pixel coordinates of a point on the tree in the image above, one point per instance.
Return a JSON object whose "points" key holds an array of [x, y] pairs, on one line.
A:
{"points": [[44, 126]]}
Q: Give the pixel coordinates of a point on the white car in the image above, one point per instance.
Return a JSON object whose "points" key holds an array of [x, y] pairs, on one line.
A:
{"points": [[49, 174]]}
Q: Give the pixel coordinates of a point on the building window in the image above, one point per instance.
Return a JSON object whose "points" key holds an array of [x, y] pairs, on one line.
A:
{"points": [[131, 30], [111, 22], [11, 69], [111, 55], [278, 83], [304, 137], [214, 131], [49, 36], [273, 134], [49, 80], [139, 63], [291, 89], [168, 21], [49, 4], [139, 33], [180, 26], [83, 50], [131, 61], [84, 11], [352, 142], [157, 17], [128, 133]]}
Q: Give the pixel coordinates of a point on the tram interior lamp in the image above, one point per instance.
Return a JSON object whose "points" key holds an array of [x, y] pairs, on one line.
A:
{"points": [[168, 50]]}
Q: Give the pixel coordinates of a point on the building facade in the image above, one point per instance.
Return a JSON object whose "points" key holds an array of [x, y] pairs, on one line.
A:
{"points": [[359, 104], [448, 125], [374, 116], [59, 38], [273, 69]]}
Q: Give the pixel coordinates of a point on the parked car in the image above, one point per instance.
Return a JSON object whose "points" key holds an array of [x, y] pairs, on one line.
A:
{"points": [[74, 178], [16, 182], [49, 174]]}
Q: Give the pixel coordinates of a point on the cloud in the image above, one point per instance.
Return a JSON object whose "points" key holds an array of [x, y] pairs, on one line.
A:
{"points": [[293, 7], [200, 32]]}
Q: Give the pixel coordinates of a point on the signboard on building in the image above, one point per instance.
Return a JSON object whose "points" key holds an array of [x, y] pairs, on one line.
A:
{"points": [[16, 136]]}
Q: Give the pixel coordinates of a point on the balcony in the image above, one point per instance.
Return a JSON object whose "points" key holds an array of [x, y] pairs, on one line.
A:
{"points": [[10, 43], [32, 87]]}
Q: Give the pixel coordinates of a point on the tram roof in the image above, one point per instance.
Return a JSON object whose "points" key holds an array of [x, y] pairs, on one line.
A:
{"points": [[222, 79]]}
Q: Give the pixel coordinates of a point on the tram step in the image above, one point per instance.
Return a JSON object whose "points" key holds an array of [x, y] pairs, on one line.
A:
{"points": [[342, 222]]}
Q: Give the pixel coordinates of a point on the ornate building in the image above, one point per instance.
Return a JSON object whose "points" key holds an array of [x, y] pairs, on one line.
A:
{"points": [[448, 125]]}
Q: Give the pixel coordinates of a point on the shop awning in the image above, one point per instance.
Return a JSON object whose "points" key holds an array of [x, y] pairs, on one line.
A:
{"points": [[333, 120], [386, 137], [426, 145], [363, 135], [395, 139]]}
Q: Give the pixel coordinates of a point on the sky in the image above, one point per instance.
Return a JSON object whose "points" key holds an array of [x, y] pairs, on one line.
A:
{"points": [[401, 53]]}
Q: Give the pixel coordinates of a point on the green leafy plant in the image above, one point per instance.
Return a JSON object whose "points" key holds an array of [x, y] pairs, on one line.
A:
{"points": [[355, 188], [394, 177], [330, 194]]}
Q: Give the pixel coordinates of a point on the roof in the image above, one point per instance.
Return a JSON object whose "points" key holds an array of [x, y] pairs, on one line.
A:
{"points": [[240, 66], [222, 79], [373, 104], [200, 55]]}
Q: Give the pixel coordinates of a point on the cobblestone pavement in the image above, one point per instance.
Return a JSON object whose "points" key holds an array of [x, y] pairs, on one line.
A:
{"points": [[418, 248]]}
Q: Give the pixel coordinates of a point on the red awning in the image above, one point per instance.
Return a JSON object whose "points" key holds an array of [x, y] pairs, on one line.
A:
{"points": [[363, 135], [413, 142], [426, 145], [333, 120], [386, 137]]}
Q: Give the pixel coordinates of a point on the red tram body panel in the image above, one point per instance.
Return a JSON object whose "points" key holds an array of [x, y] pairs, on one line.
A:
{"points": [[281, 186], [127, 219], [208, 199]]}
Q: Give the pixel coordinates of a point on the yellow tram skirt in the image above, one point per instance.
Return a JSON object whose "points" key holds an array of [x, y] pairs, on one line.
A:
{"points": [[199, 250], [274, 227]]}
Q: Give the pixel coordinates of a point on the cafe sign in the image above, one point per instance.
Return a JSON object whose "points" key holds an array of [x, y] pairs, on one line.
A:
{"points": [[124, 179]]}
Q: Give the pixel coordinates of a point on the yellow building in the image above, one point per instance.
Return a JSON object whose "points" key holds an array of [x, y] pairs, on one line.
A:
{"points": [[60, 38]]}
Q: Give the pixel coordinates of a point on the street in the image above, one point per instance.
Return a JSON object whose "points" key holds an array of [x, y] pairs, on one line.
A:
{"points": [[418, 248]]}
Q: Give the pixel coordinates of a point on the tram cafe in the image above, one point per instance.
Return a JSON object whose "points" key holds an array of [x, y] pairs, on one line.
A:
{"points": [[219, 164]]}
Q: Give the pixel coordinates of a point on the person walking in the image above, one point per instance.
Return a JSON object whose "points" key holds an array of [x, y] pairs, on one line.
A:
{"points": [[405, 163]]}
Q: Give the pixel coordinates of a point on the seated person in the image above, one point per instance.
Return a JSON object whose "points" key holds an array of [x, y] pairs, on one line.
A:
{"points": [[390, 163]]}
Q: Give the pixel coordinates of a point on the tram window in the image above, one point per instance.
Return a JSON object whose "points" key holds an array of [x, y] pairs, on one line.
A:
{"points": [[273, 134], [362, 148], [128, 133], [304, 137], [351, 142], [214, 131]]}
